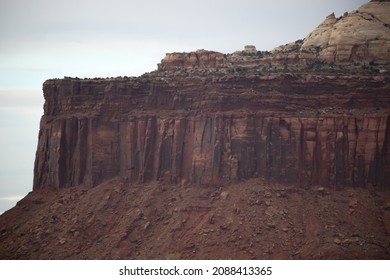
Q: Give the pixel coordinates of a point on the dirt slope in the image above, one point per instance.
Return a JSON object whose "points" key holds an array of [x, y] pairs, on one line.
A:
{"points": [[249, 220]]}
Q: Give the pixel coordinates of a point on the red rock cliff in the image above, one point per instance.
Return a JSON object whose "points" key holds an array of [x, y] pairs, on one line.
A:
{"points": [[330, 130]]}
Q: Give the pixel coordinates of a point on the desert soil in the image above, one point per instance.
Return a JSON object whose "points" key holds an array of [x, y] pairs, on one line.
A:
{"points": [[254, 219]]}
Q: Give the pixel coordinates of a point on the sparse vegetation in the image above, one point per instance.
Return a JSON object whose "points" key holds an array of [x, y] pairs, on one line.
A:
{"points": [[300, 41]]}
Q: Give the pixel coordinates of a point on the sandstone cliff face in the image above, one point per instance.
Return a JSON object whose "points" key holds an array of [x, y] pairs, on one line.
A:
{"points": [[362, 35], [309, 130], [200, 58]]}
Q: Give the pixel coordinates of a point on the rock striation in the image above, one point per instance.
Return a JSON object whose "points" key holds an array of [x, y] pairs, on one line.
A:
{"points": [[302, 114], [327, 130]]}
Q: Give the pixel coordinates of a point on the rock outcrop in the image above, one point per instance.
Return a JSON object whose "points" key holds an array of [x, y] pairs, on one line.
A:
{"points": [[360, 38], [362, 35], [200, 58]]}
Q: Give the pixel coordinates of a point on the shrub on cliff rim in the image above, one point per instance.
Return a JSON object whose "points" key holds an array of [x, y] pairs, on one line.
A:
{"points": [[244, 53], [262, 53]]}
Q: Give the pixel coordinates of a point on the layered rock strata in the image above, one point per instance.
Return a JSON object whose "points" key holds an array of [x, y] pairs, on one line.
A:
{"points": [[304, 129]]}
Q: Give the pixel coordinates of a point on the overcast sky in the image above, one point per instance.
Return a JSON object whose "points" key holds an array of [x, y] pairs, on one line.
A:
{"points": [[44, 39]]}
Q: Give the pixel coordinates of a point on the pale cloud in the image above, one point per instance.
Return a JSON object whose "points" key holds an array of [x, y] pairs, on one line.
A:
{"points": [[20, 112], [21, 99], [12, 198], [8, 202]]}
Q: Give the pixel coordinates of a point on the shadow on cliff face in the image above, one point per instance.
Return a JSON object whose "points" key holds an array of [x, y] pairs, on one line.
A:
{"points": [[255, 219]]}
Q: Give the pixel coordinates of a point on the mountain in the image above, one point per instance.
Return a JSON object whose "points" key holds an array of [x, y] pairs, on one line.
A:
{"points": [[280, 154]]}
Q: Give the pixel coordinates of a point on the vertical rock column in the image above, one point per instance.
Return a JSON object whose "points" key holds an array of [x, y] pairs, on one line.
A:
{"points": [[214, 149]]}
